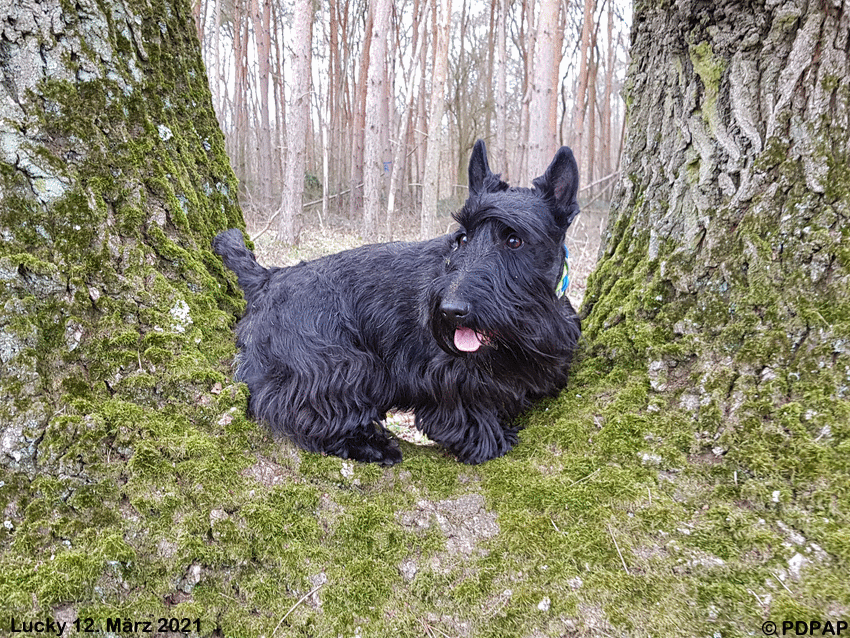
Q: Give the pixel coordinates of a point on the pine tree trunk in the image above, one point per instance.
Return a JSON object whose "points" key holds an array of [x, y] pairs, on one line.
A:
{"points": [[725, 270]]}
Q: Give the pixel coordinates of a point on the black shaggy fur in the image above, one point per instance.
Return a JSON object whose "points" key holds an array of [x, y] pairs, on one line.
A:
{"points": [[465, 329]]}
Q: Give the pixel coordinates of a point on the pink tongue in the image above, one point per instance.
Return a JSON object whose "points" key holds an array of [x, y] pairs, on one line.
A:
{"points": [[467, 340]]}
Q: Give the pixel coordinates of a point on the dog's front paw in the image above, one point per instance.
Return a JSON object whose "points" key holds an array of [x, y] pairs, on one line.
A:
{"points": [[371, 445], [486, 448], [392, 454]]}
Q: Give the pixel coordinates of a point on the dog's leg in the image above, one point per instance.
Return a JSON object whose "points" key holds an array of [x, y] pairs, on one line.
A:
{"points": [[473, 435], [368, 442], [355, 435]]}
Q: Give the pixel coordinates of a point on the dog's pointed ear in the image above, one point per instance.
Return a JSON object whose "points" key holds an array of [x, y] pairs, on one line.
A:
{"points": [[479, 169], [560, 184]]}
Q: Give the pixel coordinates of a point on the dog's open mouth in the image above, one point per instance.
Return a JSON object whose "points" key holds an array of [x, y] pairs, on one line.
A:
{"points": [[467, 340]]}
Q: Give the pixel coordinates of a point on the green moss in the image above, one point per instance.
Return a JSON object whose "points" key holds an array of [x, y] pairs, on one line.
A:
{"points": [[710, 69]]}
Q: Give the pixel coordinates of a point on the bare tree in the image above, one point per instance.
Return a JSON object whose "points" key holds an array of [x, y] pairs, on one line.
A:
{"points": [[525, 38], [359, 119], [279, 96], [430, 181], [373, 164], [261, 15], [420, 22], [501, 107], [491, 88], [297, 124], [606, 142], [581, 98], [543, 103]]}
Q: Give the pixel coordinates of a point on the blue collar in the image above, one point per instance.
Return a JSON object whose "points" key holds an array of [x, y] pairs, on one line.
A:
{"points": [[564, 283]]}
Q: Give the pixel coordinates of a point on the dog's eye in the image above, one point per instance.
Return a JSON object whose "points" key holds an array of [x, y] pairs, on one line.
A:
{"points": [[513, 241], [462, 240]]}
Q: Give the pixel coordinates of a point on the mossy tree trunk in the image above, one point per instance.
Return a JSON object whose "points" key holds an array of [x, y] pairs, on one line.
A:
{"points": [[724, 275], [116, 329]]}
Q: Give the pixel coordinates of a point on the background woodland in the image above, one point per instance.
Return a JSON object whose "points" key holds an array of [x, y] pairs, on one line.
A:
{"points": [[377, 104]]}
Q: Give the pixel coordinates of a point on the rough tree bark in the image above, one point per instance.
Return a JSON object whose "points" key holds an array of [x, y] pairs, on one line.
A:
{"points": [[725, 269], [114, 182], [115, 328]]}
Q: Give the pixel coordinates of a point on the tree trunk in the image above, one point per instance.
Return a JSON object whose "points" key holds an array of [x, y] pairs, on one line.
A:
{"points": [[725, 272], [117, 318], [297, 124], [216, 81], [421, 127], [542, 108], [420, 20], [261, 12], [373, 161], [359, 120], [491, 59], [580, 109], [527, 35], [279, 101], [430, 180], [240, 92], [605, 145], [590, 118], [501, 101], [325, 110]]}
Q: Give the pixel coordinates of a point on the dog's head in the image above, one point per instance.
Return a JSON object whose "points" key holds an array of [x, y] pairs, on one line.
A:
{"points": [[503, 263]]}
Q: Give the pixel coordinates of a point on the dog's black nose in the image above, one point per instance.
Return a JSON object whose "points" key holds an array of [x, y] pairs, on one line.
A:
{"points": [[454, 310]]}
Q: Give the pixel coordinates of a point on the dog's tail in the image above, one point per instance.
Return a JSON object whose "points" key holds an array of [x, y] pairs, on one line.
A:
{"points": [[231, 246]]}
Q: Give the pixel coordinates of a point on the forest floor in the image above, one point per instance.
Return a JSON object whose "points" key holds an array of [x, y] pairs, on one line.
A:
{"points": [[613, 516]]}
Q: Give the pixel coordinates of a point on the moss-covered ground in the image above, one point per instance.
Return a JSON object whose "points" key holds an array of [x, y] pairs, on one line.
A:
{"points": [[603, 521]]}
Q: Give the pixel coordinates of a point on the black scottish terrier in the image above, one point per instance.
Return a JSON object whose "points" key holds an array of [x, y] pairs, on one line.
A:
{"points": [[465, 329]]}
